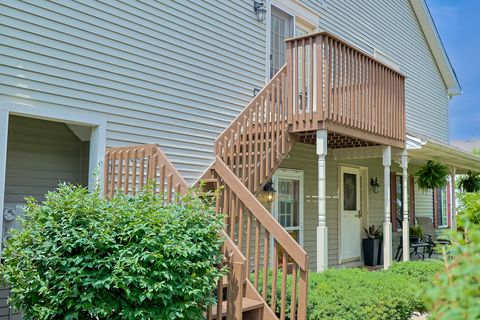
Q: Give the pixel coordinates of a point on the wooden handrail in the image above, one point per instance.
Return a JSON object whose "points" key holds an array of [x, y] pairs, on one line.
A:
{"points": [[254, 144], [243, 210], [129, 169], [261, 214]]}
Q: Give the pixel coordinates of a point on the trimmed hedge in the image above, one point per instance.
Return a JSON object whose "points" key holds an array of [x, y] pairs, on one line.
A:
{"points": [[422, 271], [357, 294], [79, 256]]}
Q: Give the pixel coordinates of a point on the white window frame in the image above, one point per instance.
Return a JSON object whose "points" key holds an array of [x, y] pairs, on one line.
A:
{"points": [[296, 10], [294, 175], [97, 141]]}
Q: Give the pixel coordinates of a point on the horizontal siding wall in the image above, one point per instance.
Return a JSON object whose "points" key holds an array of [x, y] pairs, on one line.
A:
{"points": [[168, 72], [40, 155], [391, 26]]}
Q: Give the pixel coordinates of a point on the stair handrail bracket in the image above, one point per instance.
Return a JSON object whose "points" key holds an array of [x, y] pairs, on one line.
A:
{"points": [[341, 88]]}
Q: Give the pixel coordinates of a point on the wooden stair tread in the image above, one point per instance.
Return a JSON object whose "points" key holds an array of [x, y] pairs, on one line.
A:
{"points": [[247, 305]]}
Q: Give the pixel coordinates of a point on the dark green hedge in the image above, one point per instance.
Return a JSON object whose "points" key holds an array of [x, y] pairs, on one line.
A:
{"points": [[79, 256]]}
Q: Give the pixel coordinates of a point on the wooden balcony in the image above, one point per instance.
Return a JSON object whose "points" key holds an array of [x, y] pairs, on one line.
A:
{"points": [[333, 85]]}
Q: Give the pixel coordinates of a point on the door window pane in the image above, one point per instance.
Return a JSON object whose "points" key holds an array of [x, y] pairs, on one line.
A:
{"points": [[399, 201], [349, 191], [288, 203], [281, 29]]}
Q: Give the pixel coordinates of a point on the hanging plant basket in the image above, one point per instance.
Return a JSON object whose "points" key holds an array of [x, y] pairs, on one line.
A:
{"points": [[432, 175], [470, 182]]}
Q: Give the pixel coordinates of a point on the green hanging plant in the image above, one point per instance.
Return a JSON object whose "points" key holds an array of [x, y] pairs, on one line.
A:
{"points": [[432, 175], [470, 182]]}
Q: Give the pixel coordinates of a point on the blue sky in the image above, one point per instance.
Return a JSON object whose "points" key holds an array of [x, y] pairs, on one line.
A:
{"points": [[458, 22]]}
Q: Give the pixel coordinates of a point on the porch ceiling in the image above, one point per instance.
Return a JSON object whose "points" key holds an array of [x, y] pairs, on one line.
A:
{"points": [[420, 149], [335, 140]]}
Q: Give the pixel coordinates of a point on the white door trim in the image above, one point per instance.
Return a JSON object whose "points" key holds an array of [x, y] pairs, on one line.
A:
{"points": [[98, 138], [291, 174], [363, 173]]}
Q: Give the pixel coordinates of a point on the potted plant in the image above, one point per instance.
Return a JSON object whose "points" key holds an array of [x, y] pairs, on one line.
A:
{"points": [[371, 245], [470, 183], [416, 234], [432, 175]]}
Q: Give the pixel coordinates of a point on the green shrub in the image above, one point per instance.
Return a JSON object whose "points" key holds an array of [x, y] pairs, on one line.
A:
{"points": [[455, 293], [421, 271], [79, 256], [469, 208], [356, 294]]}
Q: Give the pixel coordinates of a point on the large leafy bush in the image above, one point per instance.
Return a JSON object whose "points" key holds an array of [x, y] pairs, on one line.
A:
{"points": [[469, 208], [455, 294], [79, 256]]}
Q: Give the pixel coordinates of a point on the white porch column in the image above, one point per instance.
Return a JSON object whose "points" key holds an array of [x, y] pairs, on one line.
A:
{"points": [[387, 224], [3, 166], [405, 222], [453, 204], [322, 231]]}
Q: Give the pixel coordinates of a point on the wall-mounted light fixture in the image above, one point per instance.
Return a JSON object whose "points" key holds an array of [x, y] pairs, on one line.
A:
{"points": [[375, 185], [268, 194], [260, 10]]}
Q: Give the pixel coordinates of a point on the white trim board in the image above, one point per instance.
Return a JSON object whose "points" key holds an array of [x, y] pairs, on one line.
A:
{"points": [[97, 139], [3, 166]]}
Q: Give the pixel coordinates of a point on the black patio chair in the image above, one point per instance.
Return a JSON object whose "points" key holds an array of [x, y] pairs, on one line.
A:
{"points": [[418, 246], [430, 235]]}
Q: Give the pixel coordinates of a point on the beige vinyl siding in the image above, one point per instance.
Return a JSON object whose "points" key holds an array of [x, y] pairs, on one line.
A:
{"points": [[391, 26], [41, 154], [168, 72], [304, 157]]}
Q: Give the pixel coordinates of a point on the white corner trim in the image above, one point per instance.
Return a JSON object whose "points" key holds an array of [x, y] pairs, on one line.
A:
{"points": [[3, 166], [299, 10], [435, 43]]}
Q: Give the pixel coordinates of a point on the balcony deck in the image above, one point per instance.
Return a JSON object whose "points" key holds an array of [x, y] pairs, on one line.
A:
{"points": [[335, 86]]}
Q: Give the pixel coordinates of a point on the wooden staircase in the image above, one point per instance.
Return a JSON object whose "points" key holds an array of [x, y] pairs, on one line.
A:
{"points": [[326, 84]]}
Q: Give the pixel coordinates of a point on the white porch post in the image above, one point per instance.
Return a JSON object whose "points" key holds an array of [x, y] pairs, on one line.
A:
{"points": [[387, 225], [405, 222], [322, 231], [3, 166], [453, 204]]}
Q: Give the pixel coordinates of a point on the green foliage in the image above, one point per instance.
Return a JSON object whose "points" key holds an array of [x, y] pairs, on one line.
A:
{"points": [[455, 293], [416, 231], [469, 208], [79, 256], [432, 175], [358, 294], [372, 232], [470, 182], [422, 271]]}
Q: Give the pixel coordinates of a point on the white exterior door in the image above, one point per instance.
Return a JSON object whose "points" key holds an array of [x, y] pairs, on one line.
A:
{"points": [[288, 205], [350, 214]]}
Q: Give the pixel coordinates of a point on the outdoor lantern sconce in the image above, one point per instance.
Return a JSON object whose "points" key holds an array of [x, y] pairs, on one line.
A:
{"points": [[375, 185], [268, 192], [260, 10]]}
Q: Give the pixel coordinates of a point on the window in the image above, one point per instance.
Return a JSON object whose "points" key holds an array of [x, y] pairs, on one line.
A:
{"points": [[399, 201], [441, 208], [281, 29]]}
